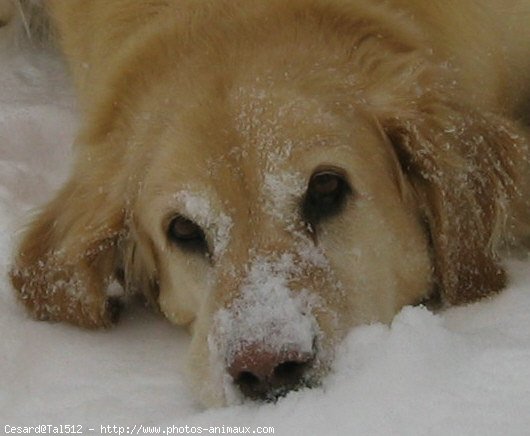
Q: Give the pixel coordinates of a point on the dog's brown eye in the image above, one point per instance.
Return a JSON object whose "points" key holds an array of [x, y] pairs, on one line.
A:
{"points": [[325, 184], [186, 233], [325, 196]]}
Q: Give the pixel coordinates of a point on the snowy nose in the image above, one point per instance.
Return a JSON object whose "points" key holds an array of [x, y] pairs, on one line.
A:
{"points": [[261, 374]]}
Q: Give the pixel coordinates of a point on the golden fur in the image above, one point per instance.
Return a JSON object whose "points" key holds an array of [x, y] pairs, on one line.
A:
{"points": [[234, 104]]}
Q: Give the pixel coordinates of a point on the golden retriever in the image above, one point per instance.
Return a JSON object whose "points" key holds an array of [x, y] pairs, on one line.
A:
{"points": [[273, 173]]}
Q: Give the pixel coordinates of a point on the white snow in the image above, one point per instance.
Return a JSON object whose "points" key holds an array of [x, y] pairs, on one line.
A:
{"points": [[280, 191], [267, 311], [463, 372], [198, 209]]}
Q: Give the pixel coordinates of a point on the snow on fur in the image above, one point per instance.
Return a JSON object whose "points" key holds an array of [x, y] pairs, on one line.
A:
{"points": [[267, 313], [199, 209]]}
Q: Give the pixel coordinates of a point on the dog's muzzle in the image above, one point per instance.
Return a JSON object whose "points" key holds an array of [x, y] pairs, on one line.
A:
{"points": [[266, 338]]}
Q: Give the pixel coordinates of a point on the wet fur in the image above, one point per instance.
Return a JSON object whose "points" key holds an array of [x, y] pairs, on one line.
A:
{"points": [[436, 94]]}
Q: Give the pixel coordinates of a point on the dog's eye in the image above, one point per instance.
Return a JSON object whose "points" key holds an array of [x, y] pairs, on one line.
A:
{"points": [[325, 196], [186, 233]]}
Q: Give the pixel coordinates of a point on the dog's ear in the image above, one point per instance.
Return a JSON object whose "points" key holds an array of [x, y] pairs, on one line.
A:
{"points": [[463, 166], [68, 256]]}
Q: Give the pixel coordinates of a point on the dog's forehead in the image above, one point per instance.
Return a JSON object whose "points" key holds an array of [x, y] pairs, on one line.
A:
{"points": [[250, 155], [249, 137], [275, 121]]}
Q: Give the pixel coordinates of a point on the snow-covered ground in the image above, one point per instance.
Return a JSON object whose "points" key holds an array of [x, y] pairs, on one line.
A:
{"points": [[463, 372]]}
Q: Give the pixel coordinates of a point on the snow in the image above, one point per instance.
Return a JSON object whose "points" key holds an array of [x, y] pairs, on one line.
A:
{"points": [[267, 312], [463, 372], [198, 209], [280, 189]]}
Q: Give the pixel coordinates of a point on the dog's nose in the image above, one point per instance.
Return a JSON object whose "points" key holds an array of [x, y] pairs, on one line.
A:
{"points": [[266, 375]]}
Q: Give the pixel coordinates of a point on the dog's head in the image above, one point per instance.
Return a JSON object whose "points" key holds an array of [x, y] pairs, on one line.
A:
{"points": [[273, 224], [279, 194], [281, 208]]}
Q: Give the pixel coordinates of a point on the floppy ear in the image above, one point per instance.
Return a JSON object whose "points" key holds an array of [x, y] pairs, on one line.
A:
{"points": [[68, 256], [463, 166]]}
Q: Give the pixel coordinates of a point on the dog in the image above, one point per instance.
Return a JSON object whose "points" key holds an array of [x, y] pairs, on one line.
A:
{"points": [[271, 174]]}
